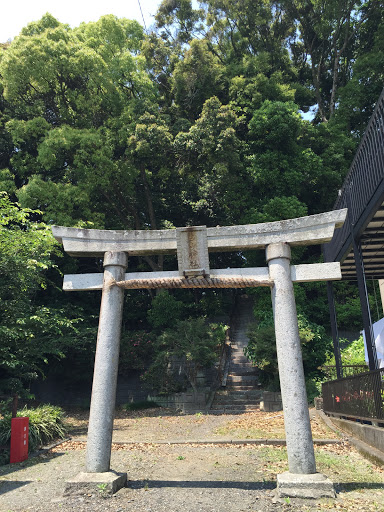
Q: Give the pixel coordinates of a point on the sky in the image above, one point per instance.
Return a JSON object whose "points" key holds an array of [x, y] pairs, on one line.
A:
{"points": [[16, 14]]}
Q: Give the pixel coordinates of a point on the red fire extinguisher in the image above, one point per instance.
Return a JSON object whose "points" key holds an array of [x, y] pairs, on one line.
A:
{"points": [[19, 439]]}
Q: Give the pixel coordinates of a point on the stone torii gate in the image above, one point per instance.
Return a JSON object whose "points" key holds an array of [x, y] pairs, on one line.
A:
{"points": [[192, 246]]}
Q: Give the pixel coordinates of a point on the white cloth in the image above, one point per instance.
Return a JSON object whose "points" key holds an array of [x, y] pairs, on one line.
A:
{"points": [[378, 332]]}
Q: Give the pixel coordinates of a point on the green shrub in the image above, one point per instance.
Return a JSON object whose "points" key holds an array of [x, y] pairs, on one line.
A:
{"points": [[353, 354], [181, 352], [165, 310], [136, 350], [46, 423], [261, 350]]}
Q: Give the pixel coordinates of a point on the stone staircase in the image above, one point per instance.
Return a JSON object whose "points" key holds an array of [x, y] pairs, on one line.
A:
{"points": [[241, 393]]}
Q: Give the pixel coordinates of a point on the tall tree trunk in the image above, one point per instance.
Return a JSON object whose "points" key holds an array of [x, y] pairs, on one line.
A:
{"points": [[148, 197], [15, 403], [152, 216]]}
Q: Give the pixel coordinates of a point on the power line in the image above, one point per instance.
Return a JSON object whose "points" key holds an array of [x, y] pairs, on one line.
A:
{"points": [[142, 15]]}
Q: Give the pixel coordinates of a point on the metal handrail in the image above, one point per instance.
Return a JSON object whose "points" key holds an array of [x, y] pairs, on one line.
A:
{"points": [[359, 396]]}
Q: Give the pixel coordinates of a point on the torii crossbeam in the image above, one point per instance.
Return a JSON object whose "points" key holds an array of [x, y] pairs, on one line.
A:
{"points": [[192, 246]]}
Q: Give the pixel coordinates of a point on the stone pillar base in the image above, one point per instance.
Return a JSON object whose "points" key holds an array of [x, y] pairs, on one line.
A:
{"points": [[108, 482], [295, 485]]}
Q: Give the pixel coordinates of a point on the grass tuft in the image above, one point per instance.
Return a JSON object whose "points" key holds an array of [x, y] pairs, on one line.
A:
{"points": [[46, 423]]}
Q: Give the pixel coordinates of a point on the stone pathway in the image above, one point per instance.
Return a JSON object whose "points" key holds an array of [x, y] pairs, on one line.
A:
{"points": [[241, 393]]}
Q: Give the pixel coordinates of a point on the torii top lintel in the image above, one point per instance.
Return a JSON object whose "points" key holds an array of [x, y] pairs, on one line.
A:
{"points": [[310, 230]]}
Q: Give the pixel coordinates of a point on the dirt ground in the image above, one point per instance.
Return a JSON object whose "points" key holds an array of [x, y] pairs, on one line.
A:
{"points": [[166, 425], [208, 477]]}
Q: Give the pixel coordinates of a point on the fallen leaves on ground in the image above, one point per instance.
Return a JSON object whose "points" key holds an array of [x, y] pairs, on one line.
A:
{"points": [[262, 425], [158, 424]]}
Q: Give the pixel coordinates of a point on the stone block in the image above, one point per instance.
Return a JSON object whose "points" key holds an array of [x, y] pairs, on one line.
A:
{"points": [[271, 406], [313, 486], [108, 482], [192, 251], [271, 402]]}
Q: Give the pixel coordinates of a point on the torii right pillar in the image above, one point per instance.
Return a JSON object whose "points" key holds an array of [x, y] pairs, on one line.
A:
{"points": [[302, 480]]}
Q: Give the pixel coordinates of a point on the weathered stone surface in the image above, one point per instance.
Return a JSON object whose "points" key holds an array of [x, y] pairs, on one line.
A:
{"points": [[108, 482], [304, 486], [301, 457], [315, 272], [314, 229], [192, 251], [106, 364], [299, 274]]}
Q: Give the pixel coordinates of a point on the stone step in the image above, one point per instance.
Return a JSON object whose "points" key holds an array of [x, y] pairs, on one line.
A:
{"points": [[239, 397], [243, 372], [230, 398], [239, 387], [231, 403], [227, 400], [239, 341], [242, 365], [240, 334], [241, 393], [246, 379], [234, 409]]}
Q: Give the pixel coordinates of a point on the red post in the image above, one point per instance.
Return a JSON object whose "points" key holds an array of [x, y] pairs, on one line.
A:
{"points": [[19, 439]]}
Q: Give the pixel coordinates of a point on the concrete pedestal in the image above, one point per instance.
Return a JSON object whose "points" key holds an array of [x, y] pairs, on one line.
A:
{"points": [[108, 482], [313, 486]]}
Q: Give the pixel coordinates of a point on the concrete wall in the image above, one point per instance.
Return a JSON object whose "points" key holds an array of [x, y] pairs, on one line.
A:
{"points": [[56, 392], [186, 402], [271, 401], [374, 436]]}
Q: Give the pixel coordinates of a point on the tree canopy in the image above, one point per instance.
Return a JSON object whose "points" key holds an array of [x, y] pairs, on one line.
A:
{"points": [[204, 120]]}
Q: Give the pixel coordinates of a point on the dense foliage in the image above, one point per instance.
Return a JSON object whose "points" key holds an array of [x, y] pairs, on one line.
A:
{"points": [[352, 354], [181, 352], [32, 327], [261, 350], [228, 113]]}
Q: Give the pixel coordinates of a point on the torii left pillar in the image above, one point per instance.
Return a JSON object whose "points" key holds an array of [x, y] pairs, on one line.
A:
{"points": [[102, 410]]}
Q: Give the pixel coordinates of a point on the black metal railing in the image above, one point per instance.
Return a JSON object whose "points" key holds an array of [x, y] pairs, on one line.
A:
{"points": [[362, 181], [360, 396], [330, 371]]}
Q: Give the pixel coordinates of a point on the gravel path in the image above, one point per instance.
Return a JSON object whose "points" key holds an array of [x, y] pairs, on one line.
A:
{"points": [[169, 478]]}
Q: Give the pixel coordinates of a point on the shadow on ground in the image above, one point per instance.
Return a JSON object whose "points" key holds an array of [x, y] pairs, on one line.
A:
{"points": [[8, 469], [11, 485], [201, 484], [357, 486]]}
